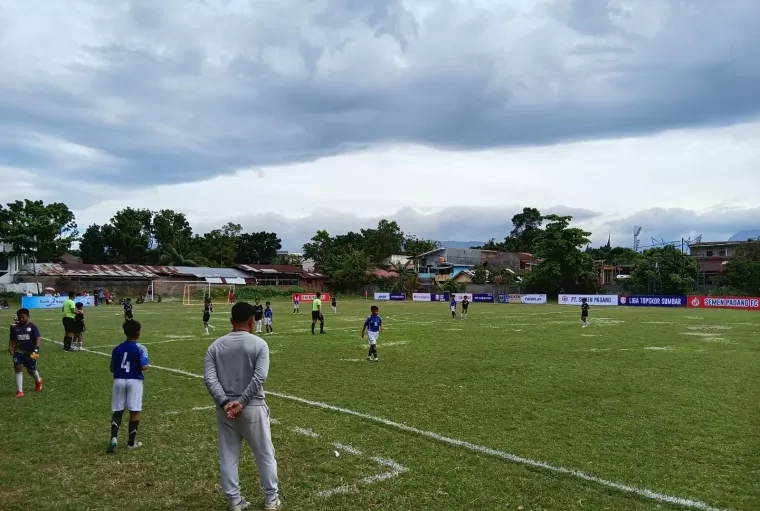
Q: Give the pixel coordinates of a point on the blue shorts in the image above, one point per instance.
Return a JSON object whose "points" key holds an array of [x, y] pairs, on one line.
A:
{"points": [[22, 359]]}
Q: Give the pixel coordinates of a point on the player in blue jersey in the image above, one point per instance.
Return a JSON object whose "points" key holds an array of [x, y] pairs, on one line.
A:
{"points": [[373, 325], [129, 360], [268, 318], [24, 346], [453, 306]]}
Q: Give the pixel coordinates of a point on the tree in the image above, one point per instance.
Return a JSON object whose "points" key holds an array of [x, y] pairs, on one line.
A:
{"points": [[290, 260], [171, 228], [562, 265], [128, 236], [664, 270], [406, 279], [526, 231], [32, 228], [172, 256], [414, 246], [220, 246], [319, 250], [348, 242], [92, 246], [743, 271], [258, 247], [349, 271], [387, 239], [481, 275]]}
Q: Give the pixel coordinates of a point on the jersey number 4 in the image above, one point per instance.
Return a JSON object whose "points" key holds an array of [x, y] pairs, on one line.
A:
{"points": [[125, 363]]}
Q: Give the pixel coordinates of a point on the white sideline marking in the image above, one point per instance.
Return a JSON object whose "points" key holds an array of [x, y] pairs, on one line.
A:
{"points": [[352, 359], [396, 470], [305, 432], [347, 449], [193, 409], [149, 343], [642, 492]]}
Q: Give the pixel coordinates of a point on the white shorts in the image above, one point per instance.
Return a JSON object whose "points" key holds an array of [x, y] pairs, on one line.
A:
{"points": [[127, 395], [372, 337], [453, 309], [268, 321]]}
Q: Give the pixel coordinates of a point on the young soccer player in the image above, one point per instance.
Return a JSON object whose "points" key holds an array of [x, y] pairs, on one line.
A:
{"points": [[79, 328], [316, 314], [268, 318], [128, 316], [372, 327], [129, 360], [465, 306], [584, 312], [258, 314], [208, 308], [69, 315], [453, 306], [296, 305], [24, 346], [334, 304]]}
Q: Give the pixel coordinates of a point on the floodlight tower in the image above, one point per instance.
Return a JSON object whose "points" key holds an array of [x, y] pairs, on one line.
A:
{"points": [[636, 232]]}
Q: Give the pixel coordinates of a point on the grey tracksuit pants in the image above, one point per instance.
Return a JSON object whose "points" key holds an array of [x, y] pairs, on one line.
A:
{"points": [[253, 426]]}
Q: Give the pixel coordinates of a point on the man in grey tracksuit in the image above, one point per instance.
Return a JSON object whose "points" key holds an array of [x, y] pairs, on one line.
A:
{"points": [[235, 370]]}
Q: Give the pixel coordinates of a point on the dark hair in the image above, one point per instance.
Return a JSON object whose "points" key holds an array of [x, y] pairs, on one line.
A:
{"points": [[269, 303], [24, 311], [79, 305], [72, 294], [374, 308], [131, 328], [318, 294], [241, 313], [257, 299]]}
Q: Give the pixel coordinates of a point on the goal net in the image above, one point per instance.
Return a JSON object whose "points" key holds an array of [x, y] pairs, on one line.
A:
{"points": [[196, 292]]}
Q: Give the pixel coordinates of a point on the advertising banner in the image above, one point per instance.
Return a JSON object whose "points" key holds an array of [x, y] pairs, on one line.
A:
{"points": [[750, 303], [421, 297], [382, 296], [460, 296], [514, 298], [309, 297], [51, 302], [593, 300], [533, 299], [440, 297], [503, 298], [398, 297], [652, 301], [482, 298]]}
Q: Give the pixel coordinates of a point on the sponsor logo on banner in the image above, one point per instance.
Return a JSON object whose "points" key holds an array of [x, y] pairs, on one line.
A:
{"points": [[503, 298], [483, 298], [515, 298], [460, 296], [440, 297], [398, 297], [598, 300], [725, 302], [421, 297], [310, 297], [533, 299], [382, 296], [652, 301], [51, 302]]}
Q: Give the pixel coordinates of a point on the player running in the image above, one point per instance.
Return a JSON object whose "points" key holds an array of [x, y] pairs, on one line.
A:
{"points": [[268, 318], [24, 346], [129, 360], [584, 312], [373, 325]]}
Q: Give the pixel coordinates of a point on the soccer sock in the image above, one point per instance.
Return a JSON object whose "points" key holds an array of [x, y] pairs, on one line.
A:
{"points": [[35, 375], [19, 382], [66, 342], [133, 431], [312, 327], [369, 353], [321, 326], [116, 423]]}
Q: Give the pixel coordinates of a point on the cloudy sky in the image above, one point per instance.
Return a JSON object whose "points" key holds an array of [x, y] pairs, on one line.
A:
{"points": [[447, 115]]}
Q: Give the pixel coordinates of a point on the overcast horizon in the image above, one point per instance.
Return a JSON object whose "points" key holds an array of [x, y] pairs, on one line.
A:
{"points": [[449, 117]]}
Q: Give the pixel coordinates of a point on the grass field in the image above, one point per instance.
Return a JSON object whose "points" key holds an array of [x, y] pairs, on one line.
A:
{"points": [[665, 400]]}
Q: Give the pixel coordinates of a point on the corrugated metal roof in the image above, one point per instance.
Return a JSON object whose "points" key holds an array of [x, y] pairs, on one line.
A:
{"points": [[100, 270], [203, 272]]}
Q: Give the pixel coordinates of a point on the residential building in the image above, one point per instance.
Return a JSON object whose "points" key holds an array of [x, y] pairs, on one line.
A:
{"points": [[712, 256], [443, 264], [282, 275]]}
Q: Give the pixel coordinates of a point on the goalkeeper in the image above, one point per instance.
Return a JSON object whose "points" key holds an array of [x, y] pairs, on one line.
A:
{"points": [[24, 346]]}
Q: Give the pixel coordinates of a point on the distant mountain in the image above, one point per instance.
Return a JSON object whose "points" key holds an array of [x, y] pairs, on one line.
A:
{"points": [[461, 244], [745, 235]]}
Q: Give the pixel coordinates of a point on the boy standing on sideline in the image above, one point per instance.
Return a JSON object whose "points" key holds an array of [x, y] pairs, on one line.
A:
{"points": [[258, 315], [316, 314], [268, 318], [24, 346], [208, 308], [372, 327], [584, 312], [129, 360], [465, 306], [334, 304], [128, 316], [235, 369]]}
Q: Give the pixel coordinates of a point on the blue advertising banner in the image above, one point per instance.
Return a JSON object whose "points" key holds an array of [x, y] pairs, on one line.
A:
{"points": [[503, 298], [652, 301], [51, 302], [440, 297], [482, 297], [399, 297]]}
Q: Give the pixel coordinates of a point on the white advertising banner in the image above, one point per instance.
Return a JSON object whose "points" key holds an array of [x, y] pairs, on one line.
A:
{"points": [[382, 296], [533, 299], [460, 296], [593, 300], [421, 297]]}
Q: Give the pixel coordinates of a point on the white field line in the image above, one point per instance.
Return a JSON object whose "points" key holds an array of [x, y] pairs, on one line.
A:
{"points": [[193, 409], [396, 470], [304, 432], [347, 449], [149, 343], [479, 449]]}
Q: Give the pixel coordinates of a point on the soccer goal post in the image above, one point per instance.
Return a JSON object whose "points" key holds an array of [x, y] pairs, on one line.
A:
{"points": [[194, 293]]}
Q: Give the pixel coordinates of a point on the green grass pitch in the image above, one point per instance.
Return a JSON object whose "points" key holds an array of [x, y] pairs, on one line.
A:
{"points": [[663, 400]]}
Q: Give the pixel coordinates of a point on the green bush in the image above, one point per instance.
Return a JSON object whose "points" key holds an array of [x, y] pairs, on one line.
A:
{"points": [[264, 292]]}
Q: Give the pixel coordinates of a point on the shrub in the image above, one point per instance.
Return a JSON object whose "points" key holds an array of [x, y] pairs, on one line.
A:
{"points": [[265, 292]]}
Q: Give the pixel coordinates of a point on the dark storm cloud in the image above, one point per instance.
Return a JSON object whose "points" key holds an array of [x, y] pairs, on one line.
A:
{"points": [[170, 119]]}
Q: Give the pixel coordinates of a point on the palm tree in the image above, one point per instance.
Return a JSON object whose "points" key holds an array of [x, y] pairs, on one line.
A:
{"points": [[171, 256], [406, 279]]}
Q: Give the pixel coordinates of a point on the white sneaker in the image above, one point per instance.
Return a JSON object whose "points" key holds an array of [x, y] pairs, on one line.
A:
{"points": [[273, 506], [136, 446], [244, 504]]}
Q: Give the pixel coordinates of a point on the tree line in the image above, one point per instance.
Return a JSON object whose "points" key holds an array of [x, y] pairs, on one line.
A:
{"points": [[565, 260]]}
